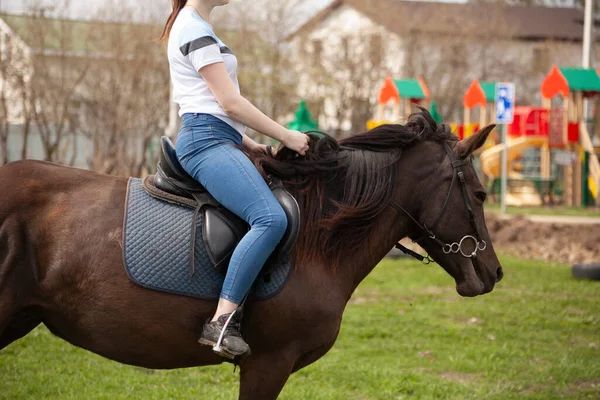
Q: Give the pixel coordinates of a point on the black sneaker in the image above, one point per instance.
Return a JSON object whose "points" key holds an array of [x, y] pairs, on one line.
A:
{"points": [[233, 344]]}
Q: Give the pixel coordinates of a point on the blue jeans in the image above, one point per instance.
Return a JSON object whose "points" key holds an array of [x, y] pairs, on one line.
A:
{"points": [[205, 149]]}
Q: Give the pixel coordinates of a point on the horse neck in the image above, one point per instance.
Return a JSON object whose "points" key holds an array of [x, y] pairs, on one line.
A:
{"points": [[390, 228], [360, 262]]}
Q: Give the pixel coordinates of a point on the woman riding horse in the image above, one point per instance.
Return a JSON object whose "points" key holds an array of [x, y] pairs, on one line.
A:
{"points": [[215, 116], [61, 251]]}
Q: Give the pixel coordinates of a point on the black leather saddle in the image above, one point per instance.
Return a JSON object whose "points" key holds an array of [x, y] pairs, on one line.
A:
{"points": [[222, 230]]}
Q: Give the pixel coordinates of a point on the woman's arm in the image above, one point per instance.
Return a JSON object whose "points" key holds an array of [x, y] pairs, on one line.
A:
{"points": [[251, 145], [240, 109]]}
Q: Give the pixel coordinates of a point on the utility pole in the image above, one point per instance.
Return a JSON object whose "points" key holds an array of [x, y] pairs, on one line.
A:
{"points": [[587, 45], [587, 33]]}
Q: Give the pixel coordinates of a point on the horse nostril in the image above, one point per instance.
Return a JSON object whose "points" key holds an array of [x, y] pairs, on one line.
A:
{"points": [[499, 275]]}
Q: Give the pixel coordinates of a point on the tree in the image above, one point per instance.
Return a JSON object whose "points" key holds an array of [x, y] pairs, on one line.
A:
{"points": [[60, 65], [15, 74], [124, 103], [257, 33], [341, 82]]}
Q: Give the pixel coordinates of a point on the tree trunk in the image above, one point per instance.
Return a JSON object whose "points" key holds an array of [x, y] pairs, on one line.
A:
{"points": [[26, 130]]}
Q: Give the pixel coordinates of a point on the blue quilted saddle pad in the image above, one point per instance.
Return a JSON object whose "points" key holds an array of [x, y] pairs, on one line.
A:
{"points": [[156, 250]]}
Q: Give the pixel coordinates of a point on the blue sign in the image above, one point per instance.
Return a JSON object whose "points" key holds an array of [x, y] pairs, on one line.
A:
{"points": [[505, 103]]}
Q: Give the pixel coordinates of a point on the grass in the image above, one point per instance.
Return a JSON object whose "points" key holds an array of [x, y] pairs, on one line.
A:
{"points": [[547, 210], [406, 335]]}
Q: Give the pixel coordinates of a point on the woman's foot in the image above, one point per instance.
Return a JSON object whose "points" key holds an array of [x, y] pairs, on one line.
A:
{"points": [[232, 344]]}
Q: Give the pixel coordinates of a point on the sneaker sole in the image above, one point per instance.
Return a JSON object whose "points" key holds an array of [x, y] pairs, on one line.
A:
{"points": [[223, 352]]}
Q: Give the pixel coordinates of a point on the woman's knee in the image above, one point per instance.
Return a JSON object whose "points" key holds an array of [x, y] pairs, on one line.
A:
{"points": [[273, 220], [279, 221]]}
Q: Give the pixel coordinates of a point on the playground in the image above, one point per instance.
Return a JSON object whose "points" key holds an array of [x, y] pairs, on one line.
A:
{"points": [[551, 157]]}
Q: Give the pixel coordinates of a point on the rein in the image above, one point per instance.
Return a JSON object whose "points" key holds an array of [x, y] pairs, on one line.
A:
{"points": [[480, 245]]}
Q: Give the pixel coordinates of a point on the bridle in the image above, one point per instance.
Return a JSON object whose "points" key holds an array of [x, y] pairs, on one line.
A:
{"points": [[480, 245]]}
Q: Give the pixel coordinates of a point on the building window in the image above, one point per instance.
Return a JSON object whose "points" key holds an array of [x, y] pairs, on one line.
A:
{"points": [[317, 52], [376, 49], [346, 47], [457, 56], [541, 60], [3, 46]]}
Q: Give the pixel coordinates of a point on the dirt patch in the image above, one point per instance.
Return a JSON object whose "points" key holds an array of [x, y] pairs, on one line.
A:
{"points": [[592, 388], [565, 243], [362, 300], [460, 377], [433, 290], [586, 385]]}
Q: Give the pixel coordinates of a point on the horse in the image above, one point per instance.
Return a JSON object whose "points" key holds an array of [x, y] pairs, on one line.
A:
{"points": [[61, 254]]}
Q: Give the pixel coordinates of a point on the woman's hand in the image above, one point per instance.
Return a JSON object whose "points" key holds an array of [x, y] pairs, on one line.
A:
{"points": [[251, 146], [297, 141], [260, 148]]}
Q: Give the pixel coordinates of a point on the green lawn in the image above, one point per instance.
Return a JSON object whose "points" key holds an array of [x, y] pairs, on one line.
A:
{"points": [[555, 210], [405, 335]]}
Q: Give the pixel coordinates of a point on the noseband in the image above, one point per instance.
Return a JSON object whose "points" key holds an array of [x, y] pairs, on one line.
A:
{"points": [[447, 248]]}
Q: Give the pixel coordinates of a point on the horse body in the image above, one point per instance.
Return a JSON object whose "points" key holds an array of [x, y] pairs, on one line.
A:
{"points": [[61, 265]]}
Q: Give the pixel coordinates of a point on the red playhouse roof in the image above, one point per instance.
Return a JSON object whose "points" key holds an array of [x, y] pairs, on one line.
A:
{"points": [[565, 80], [474, 96], [389, 91], [555, 83]]}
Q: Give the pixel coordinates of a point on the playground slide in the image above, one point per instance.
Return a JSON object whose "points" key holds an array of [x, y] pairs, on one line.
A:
{"points": [[491, 158], [594, 179], [491, 165]]}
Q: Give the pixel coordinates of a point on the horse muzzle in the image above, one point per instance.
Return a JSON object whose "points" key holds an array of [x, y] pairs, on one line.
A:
{"points": [[477, 278]]}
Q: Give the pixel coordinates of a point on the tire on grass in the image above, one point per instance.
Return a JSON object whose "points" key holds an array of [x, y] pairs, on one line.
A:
{"points": [[586, 271]]}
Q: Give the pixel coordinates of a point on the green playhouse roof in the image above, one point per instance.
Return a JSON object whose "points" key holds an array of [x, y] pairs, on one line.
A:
{"points": [[410, 88], [489, 88], [580, 79]]}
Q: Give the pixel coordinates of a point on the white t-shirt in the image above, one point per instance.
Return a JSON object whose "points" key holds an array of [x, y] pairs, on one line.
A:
{"points": [[193, 45]]}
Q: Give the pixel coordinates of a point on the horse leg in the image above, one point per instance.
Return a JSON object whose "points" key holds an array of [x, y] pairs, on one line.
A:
{"points": [[18, 326], [262, 377], [7, 311]]}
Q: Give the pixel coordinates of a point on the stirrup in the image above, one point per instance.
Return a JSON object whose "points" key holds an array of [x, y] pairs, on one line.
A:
{"points": [[217, 347]]}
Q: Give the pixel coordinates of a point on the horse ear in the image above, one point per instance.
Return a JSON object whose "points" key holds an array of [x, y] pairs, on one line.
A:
{"points": [[466, 147]]}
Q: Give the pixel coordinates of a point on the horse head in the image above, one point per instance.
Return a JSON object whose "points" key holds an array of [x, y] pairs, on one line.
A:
{"points": [[446, 208], [421, 170]]}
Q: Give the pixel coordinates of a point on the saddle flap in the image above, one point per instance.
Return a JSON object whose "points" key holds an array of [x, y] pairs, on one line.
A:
{"points": [[222, 231], [292, 211]]}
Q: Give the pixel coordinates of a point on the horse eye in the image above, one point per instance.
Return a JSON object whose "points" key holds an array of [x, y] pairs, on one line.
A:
{"points": [[481, 196]]}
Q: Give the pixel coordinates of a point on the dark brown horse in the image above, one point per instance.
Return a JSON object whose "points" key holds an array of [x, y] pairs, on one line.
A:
{"points": [[61, 263]]}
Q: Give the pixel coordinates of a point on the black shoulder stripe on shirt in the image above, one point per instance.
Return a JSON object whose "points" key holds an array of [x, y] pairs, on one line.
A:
{"points": [[226, 50], [197, 44]]}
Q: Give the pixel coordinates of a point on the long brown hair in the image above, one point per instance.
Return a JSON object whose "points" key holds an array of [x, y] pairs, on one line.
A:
{"points": [[177, 6]]}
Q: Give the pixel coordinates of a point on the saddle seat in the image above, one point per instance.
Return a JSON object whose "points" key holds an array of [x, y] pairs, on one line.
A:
{"points": [[222, 229], [170, 175]]}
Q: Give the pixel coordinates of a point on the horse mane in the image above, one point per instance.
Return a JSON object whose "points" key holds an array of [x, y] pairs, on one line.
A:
{"points": [[343, 186]]}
